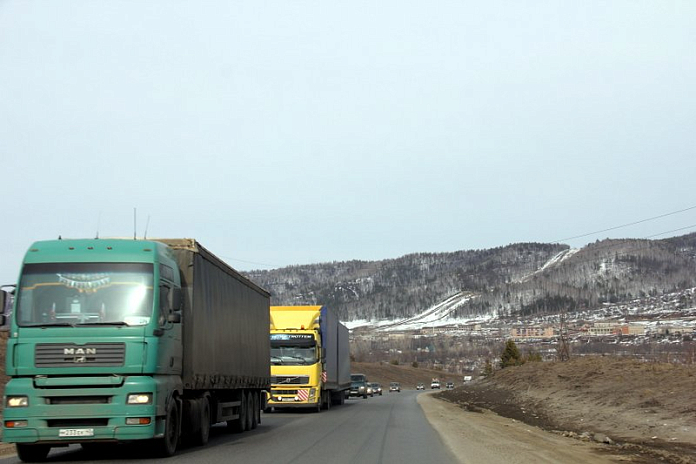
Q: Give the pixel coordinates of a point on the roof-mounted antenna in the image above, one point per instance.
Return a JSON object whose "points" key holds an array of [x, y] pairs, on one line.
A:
{"points": [[98, 225], [147, 224], [135, 237]]}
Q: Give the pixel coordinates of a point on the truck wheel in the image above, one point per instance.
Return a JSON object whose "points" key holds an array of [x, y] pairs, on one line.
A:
{"points": [[259, 405], [166, 446], [254, 410], [203, 434], [251, 415], [238, 425], [32, 453]]}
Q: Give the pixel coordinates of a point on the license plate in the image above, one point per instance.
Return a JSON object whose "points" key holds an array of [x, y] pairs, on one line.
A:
{"points": [[76, 432]]}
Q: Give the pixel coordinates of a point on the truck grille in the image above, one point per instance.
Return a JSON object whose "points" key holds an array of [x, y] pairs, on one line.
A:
{"points": [[70, 400], [96, 422], [289, 379], [283, 392], [72, 355]]}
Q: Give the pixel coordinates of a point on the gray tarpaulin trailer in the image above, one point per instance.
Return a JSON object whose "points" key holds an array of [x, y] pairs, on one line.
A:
{"points": [[225, 322]]}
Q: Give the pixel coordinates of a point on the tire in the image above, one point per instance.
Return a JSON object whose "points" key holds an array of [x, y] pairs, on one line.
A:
{"points": [[239, 425], [251, 415], [32, 453], [166, 446], [203, 434], [257, 407]]}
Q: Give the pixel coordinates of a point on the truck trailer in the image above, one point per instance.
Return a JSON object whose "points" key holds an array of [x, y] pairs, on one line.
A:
{"points": [[116, 340], [310, 358]]}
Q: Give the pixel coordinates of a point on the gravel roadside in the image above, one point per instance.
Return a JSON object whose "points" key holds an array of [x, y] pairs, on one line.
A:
{"points": [[476, 437]]}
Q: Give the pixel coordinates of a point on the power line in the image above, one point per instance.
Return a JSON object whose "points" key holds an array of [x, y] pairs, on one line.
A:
{"points": [[671, 231], [272, 266], [627, 225]]}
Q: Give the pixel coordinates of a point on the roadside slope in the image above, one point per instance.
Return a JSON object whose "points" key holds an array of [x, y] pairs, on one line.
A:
{"points": [[486, 437], [648, 407]]}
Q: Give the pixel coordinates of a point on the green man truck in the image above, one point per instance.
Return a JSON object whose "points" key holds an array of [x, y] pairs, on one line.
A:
{"points": [[310, 358], [122, 340]]}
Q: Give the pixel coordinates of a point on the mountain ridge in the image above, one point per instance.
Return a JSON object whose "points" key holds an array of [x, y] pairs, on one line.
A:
{"points": [[512, 280]]}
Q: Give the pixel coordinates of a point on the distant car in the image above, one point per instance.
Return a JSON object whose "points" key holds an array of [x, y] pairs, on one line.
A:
{"points": [[394, 387], [420, 386], [449, 385], [370, 391], [435, 385], [358, 385], [376, 389]]}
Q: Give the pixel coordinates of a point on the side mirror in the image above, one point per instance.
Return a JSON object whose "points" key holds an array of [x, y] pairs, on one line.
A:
{"points": [[176, 299]]}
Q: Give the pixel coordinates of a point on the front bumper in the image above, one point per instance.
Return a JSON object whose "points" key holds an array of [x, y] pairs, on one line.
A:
{"points": [[360, 392], [305, 397], [80, 414]]}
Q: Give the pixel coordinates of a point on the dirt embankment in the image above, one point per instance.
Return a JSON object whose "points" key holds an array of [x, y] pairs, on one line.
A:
{"points": [[647, 409]]}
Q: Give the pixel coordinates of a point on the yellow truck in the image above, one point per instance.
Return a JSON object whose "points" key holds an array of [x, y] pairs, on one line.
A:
{"points": [[310, 358]]}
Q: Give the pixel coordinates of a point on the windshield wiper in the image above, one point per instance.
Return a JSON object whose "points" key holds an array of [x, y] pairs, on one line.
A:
{"points": [[52, 324], [119, 323]]}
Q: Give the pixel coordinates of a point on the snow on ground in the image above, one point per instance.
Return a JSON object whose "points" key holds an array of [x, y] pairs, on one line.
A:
{"points": [[437, 315], [559, 258], [358, 323], [554, 261]]}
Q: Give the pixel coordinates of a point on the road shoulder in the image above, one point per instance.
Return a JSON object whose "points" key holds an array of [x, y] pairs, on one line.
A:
{"points": [[475, 437]]}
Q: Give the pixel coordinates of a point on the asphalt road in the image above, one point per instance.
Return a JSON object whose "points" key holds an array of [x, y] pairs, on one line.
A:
{"points": [[387, 429]]}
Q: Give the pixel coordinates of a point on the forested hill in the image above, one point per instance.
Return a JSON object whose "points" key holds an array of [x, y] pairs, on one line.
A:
{"points": [[396, 288], [524, 278]]}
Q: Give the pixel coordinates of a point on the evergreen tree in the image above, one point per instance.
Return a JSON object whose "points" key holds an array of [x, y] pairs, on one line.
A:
{"points": [[511, 355], [488, 368], [533, 356]]}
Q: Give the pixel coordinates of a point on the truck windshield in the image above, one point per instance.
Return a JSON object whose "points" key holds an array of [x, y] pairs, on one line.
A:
{"points": [[293, 355], [85, 294], [293, 349]]}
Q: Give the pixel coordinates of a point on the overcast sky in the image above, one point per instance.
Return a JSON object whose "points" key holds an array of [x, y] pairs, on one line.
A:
{"points": [[294, 132]]}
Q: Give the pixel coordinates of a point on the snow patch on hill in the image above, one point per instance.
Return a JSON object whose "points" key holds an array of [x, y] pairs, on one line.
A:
{"points": [[554, 261], [435, 316]]}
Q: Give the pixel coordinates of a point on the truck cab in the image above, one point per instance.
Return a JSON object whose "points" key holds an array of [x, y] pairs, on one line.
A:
{"points": [[310, 358]]}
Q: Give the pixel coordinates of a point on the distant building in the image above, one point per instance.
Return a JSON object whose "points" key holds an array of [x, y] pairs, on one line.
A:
{"points": [[605, 328], [532, 332], [635, 329], [612, 328]]}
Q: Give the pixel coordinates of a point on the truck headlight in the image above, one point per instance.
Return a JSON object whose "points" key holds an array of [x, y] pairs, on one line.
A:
{"points": [[17, 401], [139, 398]]}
